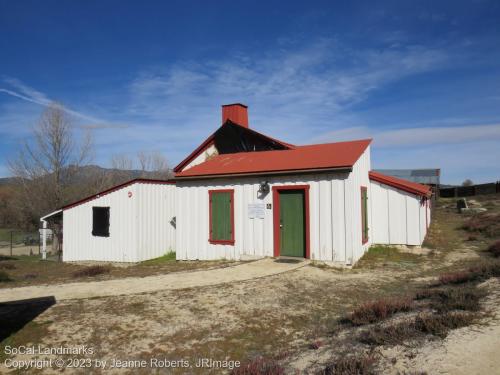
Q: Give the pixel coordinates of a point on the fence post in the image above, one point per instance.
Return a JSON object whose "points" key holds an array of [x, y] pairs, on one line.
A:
{"points": [[10, 243]]}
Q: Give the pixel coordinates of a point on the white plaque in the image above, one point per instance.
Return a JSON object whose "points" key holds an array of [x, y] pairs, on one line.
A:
{"points": [[256, 210]]}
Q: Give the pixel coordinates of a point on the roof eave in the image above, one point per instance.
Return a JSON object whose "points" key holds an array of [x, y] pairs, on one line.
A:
{"points": [[400, 186], [115, 188], [266, 173]]}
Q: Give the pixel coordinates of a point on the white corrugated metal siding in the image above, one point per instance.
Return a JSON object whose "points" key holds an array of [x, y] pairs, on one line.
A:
{"points": [[140, 225], [334, 209], [398, 217], [155, 226], [80, 245]]}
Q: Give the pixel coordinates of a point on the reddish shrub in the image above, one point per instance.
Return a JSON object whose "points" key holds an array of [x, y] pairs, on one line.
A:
{"points": [[439, 325], [476, 273], [458, 277], [315, 345], [392, 334], [351, 365], [92, 271], [430, 324], [455, 298], [259, 366], [485, 223], [376, 311], [494, 249]]}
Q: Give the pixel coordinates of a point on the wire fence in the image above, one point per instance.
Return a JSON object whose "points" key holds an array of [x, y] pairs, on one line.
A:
{"points": [[17, 242], [468, 191]]}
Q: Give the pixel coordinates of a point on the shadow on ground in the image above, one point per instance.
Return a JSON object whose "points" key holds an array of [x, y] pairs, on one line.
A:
{"points": [[15, 315]]}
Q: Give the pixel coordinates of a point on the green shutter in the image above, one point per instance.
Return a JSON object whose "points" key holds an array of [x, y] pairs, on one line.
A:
{"points": [[364, 213], [221, 216]]}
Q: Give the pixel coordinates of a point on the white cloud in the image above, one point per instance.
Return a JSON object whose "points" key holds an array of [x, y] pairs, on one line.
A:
{"points": [[415, 136], [293, 93]]}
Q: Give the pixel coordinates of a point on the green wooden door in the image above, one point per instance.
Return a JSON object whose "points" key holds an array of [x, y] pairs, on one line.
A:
{"points": [[292, 232]]}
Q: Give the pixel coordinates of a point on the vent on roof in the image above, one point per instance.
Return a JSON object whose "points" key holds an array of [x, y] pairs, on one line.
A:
{"points": [[237, 113]]}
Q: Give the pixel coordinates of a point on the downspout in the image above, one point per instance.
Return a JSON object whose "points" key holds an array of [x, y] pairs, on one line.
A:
{"points": [[44, 239]]}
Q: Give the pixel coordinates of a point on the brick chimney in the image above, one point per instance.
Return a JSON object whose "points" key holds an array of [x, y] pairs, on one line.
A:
{"points": [[237, 113]]}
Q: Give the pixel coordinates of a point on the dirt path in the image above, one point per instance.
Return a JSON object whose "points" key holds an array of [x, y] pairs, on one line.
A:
{"points": [[136, 285]]}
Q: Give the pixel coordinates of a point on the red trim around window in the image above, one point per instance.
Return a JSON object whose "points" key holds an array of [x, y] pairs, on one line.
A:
{"points": [[363, 231], [220, 242], [426, 214], [276, 215]]}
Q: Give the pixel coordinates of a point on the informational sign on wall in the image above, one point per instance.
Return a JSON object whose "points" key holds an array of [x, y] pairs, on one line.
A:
{"points": [[256, 210]]}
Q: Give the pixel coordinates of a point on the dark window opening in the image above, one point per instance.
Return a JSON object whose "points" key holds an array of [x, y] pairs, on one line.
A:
{"points": [[100, 221]]}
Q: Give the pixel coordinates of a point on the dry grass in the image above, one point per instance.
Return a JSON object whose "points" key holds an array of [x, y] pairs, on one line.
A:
{"points": [[53, 272], [376, 311], [250, 320], [389, 257], [4, 277]]}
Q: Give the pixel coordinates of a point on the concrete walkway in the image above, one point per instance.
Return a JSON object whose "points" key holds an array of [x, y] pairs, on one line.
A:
{"points": [[135, 285]]}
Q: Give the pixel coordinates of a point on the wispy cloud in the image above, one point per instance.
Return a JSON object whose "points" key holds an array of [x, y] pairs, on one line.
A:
{"points": [[20, 90], [298, 93], [415, 136]]}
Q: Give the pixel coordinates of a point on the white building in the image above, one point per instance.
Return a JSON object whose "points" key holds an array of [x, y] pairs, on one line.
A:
{"points": [[242, 194], [131, 222]]}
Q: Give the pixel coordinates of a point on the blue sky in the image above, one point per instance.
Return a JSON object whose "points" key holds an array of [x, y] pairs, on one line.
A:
{"points": [[421, 78]]}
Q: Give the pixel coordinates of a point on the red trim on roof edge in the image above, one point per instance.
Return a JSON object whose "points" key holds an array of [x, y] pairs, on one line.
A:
{"points": [[209, 141], [206, 143], [118, 187], [399, 183], [276, 172]]}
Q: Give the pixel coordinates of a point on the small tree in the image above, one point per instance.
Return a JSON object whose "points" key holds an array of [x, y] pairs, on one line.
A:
{"points": [[147, 165], [153, 165], [467, 182], [44, 166]]}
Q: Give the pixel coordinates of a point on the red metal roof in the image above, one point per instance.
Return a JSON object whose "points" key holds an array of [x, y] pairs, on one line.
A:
{"points": [[117, 187], [399, 183], [300, 159]]}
